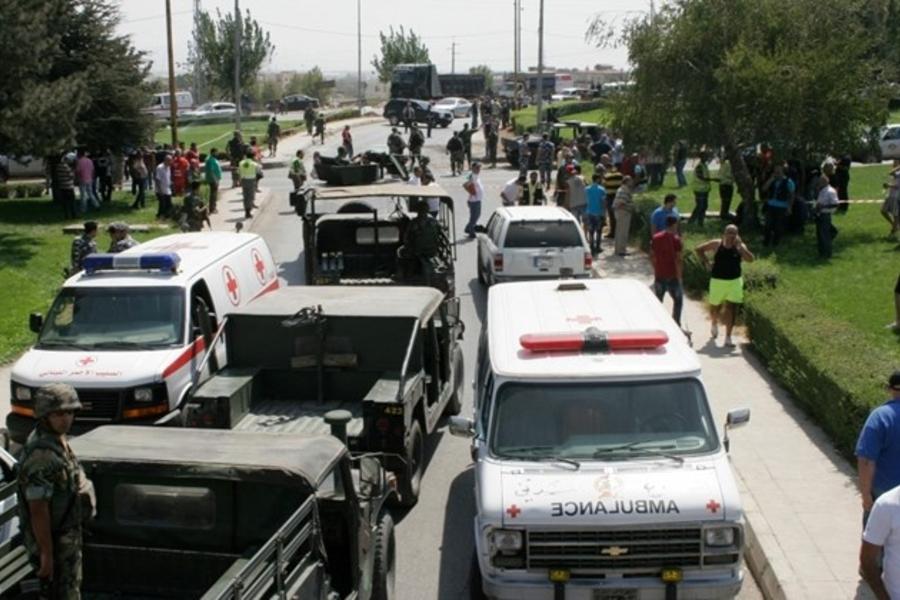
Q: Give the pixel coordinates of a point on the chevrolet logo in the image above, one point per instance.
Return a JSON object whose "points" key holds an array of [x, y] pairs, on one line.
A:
{"points": [[614, 551]]}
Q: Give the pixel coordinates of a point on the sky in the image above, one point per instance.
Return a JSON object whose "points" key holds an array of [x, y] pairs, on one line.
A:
{"points": [[323, 33]]}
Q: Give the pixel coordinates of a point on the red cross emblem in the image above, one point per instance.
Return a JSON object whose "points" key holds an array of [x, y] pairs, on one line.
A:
{"points": [[513, 511], [85, 361], [259, 266], [231, 285], [713, 506], [583, 319]]}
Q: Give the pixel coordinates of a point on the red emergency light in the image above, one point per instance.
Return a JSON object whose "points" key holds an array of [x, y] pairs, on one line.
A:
{"points": [[593, 340]]}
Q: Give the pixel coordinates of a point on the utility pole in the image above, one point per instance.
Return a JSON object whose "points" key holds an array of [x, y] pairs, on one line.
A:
{"points": [[453, 57], [199, 92], [516, 41], [173, 101], [540, 66], [238, 31], [359, 84]]}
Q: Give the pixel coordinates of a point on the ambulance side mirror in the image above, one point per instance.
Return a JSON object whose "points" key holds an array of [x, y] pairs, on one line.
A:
{"points": [[36, 322], [462, 427], [735, 418]]}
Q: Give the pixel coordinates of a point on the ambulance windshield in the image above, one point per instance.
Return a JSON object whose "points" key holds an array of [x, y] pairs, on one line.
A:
{"points": [[115, 318], [613, 421]]}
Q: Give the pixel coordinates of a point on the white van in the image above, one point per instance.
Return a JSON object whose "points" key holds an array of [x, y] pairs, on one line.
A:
{"points": [[130, 331], [160, 104], [598, 467]]}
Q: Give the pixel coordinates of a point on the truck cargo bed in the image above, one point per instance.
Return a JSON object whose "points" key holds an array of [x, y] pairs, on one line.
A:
{"points": [[296, 416]]}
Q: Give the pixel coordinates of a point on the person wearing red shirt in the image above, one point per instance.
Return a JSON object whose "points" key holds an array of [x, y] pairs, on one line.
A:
{"points": [[192, 154], [665, 250], [180, 167]]}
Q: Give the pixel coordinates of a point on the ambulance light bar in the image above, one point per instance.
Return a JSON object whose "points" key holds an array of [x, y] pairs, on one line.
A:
{"points": [[593, 340], [163, 261]]}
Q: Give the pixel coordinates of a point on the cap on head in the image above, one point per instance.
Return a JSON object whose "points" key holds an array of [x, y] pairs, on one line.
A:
{"points": [[117, 227], [53, 397]]}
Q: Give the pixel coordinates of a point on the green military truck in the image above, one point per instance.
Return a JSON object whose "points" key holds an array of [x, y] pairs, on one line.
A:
{"points": [[390, 356], [225, 515]]}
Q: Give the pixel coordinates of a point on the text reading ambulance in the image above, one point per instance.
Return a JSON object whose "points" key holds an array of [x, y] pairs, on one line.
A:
{"points": [[130, 331], [599, 470]]}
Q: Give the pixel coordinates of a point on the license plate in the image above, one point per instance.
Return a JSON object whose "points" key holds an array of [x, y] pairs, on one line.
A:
{"points": [[614, 594], [543, 262]]}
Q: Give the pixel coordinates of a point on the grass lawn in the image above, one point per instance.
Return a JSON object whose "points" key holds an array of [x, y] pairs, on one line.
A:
{"points": [[207, 136], [33, 252], [894, 116]]}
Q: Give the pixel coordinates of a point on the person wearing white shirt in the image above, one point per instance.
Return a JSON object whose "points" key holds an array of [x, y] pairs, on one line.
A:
{"points": [[512, 191], [434, 203], [475, 190], [879, 555], [826, 204], [163, 177]]}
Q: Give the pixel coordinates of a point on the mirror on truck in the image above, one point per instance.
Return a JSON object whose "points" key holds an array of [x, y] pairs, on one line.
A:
{"points": [[371, 477], [462, 427], [735, 418], [36, 322]]}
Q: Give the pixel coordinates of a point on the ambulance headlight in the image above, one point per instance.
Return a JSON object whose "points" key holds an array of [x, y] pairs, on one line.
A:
{"points": [[23, 393], [144, 394], [507, 541], [718, 537]]}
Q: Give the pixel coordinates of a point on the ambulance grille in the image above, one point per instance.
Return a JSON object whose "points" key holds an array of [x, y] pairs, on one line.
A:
{"points": [[640, 549], [99, 405]]}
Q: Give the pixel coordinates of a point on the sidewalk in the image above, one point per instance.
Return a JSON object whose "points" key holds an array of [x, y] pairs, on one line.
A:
{"points": [[802, 507]]}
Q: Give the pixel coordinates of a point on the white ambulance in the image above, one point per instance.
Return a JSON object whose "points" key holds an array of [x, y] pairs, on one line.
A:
{"points": [[599, 471], [130, 331]]}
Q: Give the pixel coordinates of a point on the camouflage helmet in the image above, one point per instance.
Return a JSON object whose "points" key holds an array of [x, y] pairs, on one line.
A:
{"points": [[55, 396]]}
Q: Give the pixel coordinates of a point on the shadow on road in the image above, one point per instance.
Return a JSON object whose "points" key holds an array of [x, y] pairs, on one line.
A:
{"points": [[479, 298], [457, 543], [431, 445]]}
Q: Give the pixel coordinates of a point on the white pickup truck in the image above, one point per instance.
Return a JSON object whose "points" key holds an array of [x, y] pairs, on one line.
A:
{"points": [[600, 474]]}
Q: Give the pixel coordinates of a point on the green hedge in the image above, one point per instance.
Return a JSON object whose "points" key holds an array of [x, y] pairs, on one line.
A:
{"points": [[827, 365]]}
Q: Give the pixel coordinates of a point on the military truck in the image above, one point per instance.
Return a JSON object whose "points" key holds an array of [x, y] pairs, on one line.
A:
{"points": [[225, 515], [390, 356], [351, 235]]}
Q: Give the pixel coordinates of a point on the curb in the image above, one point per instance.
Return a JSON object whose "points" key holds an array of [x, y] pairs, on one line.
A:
{"points": [[761, 561]]}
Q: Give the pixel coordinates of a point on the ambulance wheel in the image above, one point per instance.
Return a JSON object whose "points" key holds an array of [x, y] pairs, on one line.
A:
{"points": [[476, 592], [454, 405], [385, 559], [411, 480]]}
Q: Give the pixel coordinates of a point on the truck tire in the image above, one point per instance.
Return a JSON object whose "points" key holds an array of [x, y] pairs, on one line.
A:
{"points": [[384, 571], [481, 278], [454, 405], [411, 479]]}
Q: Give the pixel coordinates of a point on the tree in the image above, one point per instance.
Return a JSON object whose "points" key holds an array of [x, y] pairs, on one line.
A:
{"points": [[69, 78], [399, 47], [732, 73], [270, 90], [214, 49], [313, 84], [486, 72], [294, 84]]}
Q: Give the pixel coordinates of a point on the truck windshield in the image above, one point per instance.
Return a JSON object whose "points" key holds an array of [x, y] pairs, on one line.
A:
{"points": [[115, 318], [613, 421]]}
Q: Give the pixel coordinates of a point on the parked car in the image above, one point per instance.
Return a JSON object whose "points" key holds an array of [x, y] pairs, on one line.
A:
{"points": [[298, 102], [459, 107], [393, 112], [890, 142], [211, 110], [531, 242]]}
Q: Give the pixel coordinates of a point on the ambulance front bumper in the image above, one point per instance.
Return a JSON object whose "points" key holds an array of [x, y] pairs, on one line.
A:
{"points": [[703, 587]]}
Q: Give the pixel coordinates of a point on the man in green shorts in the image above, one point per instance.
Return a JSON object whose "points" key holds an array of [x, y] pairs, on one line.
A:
{"points": [[726, 285]]}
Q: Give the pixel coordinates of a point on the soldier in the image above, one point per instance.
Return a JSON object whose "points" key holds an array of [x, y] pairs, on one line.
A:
{"points": [[50, 485], [83, 245], [120, 238], [416, 141], [236, 152], [195, 213], [422, 240], [457, 153], [309, 117], [273, 132], [466, 136], [320, 128], [395, 142]]}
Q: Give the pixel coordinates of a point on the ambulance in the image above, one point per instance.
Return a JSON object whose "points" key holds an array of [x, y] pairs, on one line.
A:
{"points": [[129, 332], [599, 471]]}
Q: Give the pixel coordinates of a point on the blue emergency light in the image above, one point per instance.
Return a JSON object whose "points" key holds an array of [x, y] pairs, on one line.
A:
{"points": [[163, 261]]}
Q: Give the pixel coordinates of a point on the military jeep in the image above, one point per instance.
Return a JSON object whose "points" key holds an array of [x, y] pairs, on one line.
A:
{"points": [[224, 515], [351, 236]]}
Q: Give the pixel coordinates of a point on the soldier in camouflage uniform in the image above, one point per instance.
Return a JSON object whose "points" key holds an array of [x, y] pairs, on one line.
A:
{"points": [[82, 246], [120, 238], [50, 510], [421, 241]]}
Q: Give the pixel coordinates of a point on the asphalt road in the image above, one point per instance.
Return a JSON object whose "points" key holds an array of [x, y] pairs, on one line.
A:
{"points": [[435, 538]]}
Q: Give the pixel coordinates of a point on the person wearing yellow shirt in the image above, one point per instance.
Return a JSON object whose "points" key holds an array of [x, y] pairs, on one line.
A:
{"points": [[702, 185]]}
